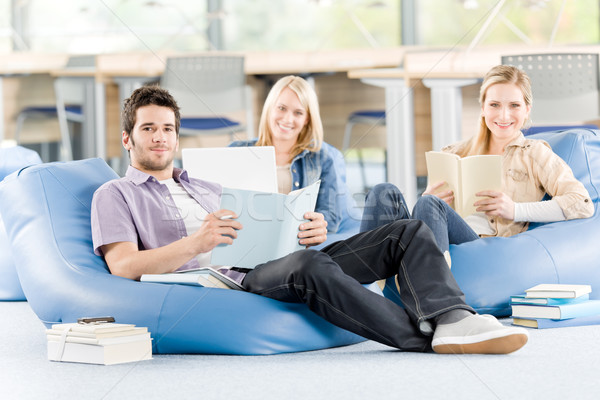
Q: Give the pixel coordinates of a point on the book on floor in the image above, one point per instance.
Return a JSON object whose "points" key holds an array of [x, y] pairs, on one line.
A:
{"points": [[54, 337], [103, 343], [564, 311], [558, 290], [546, 301], [544, 323], [204, 276], [95, 329], [100, 354], [464, 176], [132, 331], [270, 225]]}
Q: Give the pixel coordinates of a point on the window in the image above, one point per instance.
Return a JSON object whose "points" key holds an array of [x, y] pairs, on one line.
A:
{"points": [[105, 26]]}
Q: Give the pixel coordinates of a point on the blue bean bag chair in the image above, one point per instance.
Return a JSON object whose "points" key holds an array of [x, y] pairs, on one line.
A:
{"points": [[47, 209], [490, 270], [11, 159]]}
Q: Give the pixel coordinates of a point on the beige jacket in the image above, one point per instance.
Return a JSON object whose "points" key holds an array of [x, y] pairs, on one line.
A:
{"points": [[530, 170]]}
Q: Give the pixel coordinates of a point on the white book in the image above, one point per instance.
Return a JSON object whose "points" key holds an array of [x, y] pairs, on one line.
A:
{"points": [[464, 176], [98, 334], [96, 354], [57, 337], [94, 328], [558, 290]]}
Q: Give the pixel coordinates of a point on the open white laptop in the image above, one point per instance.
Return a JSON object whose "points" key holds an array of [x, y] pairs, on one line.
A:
{"points": [[249, 168]]}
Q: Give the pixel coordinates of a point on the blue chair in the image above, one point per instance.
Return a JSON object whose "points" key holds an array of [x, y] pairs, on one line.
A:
{"points": [[364, 117], [47, 209], [539, 129], [490, 270], [11, 159]]}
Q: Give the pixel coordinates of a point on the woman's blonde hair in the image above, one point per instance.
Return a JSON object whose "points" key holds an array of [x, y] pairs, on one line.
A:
{"points": [[311, 136], [505, 74]]}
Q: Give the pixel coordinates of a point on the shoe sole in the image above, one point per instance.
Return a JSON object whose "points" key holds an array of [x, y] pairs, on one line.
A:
{"points": [[501, 345]]}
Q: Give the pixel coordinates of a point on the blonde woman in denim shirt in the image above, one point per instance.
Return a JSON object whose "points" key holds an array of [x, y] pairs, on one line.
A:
{"points": [[530, 171], [291, 122]]}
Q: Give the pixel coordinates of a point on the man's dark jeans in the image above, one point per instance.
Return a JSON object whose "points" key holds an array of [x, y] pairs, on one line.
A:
{"points": [[329, 282]]}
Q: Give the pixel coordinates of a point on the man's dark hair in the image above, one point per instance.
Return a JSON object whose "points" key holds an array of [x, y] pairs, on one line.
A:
{"points": [[147, 96]]}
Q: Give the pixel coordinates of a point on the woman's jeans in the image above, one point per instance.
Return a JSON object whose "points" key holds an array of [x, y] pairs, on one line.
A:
{"points": [[385, 203], [329, 283]]}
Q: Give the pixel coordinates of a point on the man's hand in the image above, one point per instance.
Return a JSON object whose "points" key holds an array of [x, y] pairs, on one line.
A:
{"points": [[126, 260], [218, 227], [495, 204], [313, 232], [446, 195]]}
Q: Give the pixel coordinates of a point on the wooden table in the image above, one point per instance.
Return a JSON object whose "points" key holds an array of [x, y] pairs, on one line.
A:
{"points": [[23, 64]]}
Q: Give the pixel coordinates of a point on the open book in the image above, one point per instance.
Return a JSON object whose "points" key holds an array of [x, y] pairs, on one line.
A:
{"points": [[464, 176], [270, 225], [204, 276]]}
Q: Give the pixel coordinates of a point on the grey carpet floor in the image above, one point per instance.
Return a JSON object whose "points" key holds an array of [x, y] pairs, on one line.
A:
{"points": [[556, 364]]}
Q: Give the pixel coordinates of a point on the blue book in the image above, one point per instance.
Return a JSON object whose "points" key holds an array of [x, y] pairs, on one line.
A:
{"points": [[270, 224], [545, 301], [543, 323], [563, 311]]}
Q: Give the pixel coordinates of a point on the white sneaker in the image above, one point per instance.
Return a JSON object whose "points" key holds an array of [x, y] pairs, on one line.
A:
{"points": [[478, 334]]}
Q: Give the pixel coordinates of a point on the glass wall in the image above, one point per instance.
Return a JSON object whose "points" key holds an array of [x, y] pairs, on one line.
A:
{"points": [[105, 26], [102, 26], [536, 22], [298, 25]]}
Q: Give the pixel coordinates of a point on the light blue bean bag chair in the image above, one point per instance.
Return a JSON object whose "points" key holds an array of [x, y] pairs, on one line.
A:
{"points": [[47, 210], [490, 270], [11, 159]]}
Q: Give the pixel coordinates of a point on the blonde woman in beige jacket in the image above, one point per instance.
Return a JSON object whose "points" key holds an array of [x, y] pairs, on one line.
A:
{"points": [[530, 171]]}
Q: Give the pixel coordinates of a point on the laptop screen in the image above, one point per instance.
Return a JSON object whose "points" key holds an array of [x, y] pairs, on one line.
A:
{"points": [[249, 168]]}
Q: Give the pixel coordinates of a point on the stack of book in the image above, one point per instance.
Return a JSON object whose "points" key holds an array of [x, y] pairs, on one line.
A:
{"points": [[554, 306], [103, 343]]}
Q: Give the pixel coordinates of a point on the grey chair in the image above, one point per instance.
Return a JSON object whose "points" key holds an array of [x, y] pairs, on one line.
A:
{"points": [[565, 87], [210, 90]]}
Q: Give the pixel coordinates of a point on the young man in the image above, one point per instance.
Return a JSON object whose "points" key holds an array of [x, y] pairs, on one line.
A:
{"points": [[157, 219]]}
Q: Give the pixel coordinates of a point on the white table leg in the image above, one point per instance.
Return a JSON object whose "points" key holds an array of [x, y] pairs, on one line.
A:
{"points": [[446, 109], [400, 133], [1, 109], [100, 119]]}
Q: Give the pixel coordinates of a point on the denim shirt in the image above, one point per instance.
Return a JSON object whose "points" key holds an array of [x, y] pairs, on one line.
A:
{"points": [[335, 201]]}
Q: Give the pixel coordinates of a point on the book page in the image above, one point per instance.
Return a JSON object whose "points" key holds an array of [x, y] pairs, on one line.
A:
{"points": [[297, 203], [270, 225], [443, 167], [261, 215], [481, 172]]}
